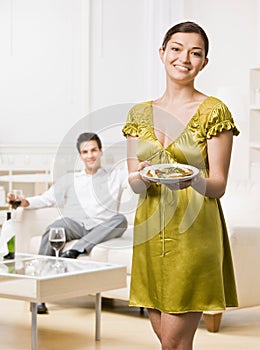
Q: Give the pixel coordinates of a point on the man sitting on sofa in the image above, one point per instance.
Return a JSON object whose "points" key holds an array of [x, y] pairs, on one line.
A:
{"points": [[88, 202]]}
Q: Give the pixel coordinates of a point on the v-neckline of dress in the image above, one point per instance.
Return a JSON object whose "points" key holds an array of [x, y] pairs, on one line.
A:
{"points": [[185, 126]]}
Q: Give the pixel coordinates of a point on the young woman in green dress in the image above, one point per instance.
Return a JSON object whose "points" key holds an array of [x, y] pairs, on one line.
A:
{"points": [[182, 262]]}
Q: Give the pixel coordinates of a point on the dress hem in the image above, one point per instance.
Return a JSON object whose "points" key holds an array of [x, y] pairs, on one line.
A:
{"points": [[216, 309]]}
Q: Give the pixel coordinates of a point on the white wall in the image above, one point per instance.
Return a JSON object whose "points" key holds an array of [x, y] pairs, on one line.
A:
{"points": [[48, 47], [122, 31], [43, 68], [125, 38], [125, 66], [233, 29]]}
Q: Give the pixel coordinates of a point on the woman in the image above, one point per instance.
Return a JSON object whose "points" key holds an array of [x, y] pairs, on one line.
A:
{"points": [[182, 263]]}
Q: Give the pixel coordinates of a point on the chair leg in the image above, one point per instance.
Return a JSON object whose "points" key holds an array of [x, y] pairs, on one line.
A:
{"points": [[212, 321]]}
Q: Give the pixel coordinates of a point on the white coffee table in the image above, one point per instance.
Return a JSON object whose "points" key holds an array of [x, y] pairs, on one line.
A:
{"points": [[34, 279]]}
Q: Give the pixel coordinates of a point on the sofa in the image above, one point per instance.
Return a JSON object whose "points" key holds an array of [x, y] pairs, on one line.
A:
{"points": [[241, 205]]}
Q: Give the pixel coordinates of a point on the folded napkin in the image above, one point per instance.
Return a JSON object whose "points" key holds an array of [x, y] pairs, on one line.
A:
{"points": [[7, 233]]}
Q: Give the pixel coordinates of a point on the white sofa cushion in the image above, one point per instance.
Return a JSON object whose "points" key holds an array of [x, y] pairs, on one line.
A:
{"points": [[116, 251]]}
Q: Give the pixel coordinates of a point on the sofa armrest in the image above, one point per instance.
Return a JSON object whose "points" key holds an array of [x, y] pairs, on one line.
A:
{"points": [[245, 247], [29, 223]]}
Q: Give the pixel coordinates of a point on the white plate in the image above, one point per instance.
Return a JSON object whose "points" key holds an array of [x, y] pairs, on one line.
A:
{"points": [[169, 180]]}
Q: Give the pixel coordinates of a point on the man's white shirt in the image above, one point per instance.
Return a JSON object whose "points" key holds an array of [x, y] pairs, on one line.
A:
{"points": [[88, 199]]}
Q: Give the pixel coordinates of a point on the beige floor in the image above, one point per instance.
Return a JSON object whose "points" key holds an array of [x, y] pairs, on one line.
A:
{"points": [[70, 325]]}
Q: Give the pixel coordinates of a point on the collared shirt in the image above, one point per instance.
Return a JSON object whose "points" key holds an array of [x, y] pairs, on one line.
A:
{"points": [[88, 199]]}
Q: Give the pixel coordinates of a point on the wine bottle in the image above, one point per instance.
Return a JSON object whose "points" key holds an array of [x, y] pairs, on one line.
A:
{"points": [[10, 243]]}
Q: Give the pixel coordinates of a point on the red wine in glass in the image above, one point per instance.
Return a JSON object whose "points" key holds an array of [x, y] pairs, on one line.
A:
{"points": [[15, 204], [57, 244], [57, 240]]}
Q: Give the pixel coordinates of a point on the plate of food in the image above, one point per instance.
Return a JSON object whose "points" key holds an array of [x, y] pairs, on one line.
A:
{"points": [[169, 173]]}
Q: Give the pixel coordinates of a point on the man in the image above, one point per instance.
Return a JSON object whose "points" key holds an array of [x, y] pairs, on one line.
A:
{"points": [[88, 201]]}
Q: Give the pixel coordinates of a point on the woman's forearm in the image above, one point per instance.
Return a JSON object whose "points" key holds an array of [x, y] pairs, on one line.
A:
{"points": [[136, 182], [212, 188]]}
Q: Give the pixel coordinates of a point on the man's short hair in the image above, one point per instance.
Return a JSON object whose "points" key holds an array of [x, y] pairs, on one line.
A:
{"points": [[88, 136]]}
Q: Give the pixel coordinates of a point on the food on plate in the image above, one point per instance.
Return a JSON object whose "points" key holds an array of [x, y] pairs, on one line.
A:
{"points": [[169, 172]]}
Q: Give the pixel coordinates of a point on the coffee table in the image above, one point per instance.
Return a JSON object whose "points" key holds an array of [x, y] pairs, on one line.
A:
{"points": [[37, 278]]}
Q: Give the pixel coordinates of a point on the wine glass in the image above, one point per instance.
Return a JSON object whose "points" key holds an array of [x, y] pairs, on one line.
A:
{"points": [[57, 240], [16, 202]]}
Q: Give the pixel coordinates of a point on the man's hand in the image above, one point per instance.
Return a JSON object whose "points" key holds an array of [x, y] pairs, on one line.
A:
{"points": [[16, 201]]}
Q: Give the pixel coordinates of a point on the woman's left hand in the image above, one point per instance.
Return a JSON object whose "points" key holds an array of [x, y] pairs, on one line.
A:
{"points": [[179, 185]]}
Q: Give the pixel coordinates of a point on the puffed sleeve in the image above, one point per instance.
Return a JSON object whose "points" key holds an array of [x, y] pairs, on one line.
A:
{"points": [[131, 126], [219, 119]]}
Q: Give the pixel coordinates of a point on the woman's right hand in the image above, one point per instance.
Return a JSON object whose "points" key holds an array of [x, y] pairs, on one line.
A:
{"points": [[140, 167], [139, 183]]}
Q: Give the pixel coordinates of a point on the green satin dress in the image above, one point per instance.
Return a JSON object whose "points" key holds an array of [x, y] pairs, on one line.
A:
{"points": [[181, 254]]}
